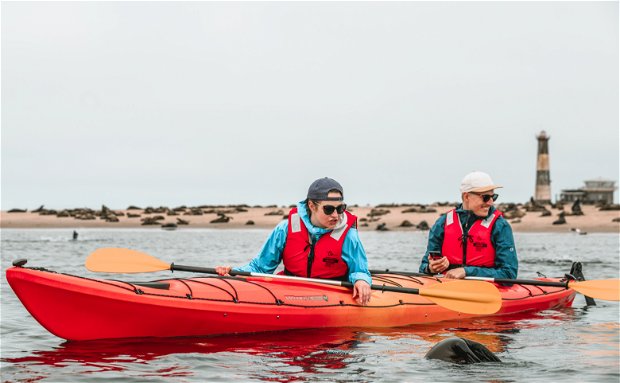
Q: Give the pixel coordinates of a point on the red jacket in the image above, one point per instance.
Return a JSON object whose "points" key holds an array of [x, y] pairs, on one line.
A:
{"points": [[322, 259], [479, 250]]}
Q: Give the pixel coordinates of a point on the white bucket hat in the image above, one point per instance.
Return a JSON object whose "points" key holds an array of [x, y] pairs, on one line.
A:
{"points": [[477, 182]]}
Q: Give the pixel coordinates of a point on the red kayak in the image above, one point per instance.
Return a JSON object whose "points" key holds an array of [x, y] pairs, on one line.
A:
{"points": [[78, 308]]}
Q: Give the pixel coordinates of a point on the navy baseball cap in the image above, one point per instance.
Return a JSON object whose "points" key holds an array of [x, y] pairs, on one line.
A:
{"points": [[319, 189]]}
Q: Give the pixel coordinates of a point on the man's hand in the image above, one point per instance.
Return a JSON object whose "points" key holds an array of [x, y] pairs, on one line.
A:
{"points": [[456, 273], [438, 266], [223, 270], [362, 291]]}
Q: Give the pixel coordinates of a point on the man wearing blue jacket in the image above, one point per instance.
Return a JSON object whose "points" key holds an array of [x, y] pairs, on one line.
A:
{"points": [[318, 240], [474, 239]]}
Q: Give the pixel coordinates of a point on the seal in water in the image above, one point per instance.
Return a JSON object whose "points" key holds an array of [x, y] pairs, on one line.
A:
{"points": [[461, 350]]}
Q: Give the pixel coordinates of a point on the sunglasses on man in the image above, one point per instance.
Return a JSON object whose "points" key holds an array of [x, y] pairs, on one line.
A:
{"points": [[487, 197], [329, 209]]}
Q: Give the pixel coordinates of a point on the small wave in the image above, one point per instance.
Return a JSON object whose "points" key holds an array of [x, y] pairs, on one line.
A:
{"points": [[53, 240]]}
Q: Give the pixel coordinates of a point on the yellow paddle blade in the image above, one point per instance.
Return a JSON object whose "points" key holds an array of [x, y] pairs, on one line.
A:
{"points": [[469, 297], [605, 289], [119, 260]]}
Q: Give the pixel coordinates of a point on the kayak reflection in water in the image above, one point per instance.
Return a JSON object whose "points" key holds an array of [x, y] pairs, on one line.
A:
{"points": [[313, 352], [318, 240]]}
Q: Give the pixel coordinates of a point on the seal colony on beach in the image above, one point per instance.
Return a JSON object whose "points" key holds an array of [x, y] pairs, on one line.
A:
{"points": [[528, 217]]}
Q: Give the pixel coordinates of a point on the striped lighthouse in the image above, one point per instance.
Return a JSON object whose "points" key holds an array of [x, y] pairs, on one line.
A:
{"points": [[543, 180]]}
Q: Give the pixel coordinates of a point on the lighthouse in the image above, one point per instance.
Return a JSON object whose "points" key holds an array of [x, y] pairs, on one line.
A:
{"points": [[543, 180]]}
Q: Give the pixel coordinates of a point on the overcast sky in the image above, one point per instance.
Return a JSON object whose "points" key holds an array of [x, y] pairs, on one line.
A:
{"points": [[222, 103]]}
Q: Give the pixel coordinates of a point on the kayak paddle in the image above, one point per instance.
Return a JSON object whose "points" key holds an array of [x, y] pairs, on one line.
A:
{"points": [[406, 273], [470, 297], [605, 289]]}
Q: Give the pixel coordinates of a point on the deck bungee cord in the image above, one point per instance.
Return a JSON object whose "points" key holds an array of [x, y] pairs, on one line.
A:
{"points": [[605, 289], [234, 294]]}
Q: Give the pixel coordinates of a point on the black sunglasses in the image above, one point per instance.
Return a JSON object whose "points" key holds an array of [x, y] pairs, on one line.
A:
{"points": [[487, 197], [329, 209]]}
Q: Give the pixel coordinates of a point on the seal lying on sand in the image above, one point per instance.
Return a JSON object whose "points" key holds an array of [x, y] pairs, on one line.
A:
{"points": [[461, 350]]}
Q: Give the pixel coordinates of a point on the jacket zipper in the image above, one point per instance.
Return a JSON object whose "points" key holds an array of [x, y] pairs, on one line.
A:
{"points": [[465, 236], [310, 257]]}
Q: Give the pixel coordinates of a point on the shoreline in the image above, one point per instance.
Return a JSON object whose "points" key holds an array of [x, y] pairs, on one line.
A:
{"points": [[390, 217]]}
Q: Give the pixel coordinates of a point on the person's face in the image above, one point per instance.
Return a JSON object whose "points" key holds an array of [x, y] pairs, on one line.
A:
{"points": [[477, 204], [320, 217]]}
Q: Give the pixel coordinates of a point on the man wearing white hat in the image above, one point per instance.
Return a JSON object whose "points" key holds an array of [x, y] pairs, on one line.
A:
{"points": [[473, 239]]}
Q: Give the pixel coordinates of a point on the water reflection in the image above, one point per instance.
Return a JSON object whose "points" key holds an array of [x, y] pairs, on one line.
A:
{"points": [[310, 350]]}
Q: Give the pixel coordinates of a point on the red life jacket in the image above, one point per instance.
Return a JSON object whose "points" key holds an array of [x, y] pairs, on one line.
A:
{"points": [[326, 259], [479, 250]]}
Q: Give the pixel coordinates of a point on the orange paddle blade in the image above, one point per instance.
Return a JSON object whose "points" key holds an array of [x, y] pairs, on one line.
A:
{"points": [[605, 289], [469, 297], [119, 260]]}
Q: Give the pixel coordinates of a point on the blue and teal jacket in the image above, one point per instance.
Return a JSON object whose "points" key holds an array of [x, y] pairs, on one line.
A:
{"points": [[270, 256], [506, 263]]}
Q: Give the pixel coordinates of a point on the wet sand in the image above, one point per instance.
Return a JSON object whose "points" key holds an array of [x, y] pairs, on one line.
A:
{"points": [[370, 218]]}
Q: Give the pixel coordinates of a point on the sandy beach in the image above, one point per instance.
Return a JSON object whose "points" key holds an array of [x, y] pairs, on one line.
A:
{"points": [[390, 217]]}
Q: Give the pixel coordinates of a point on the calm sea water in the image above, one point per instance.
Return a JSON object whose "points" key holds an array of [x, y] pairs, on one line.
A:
{"points": [[578, 344]]}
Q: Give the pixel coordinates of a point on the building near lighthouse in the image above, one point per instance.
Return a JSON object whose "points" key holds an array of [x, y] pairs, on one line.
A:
{"points": [[598, 190]]}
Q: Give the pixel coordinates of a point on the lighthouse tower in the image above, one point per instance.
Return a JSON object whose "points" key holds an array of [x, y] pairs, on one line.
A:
{"points": [[543, 180]]}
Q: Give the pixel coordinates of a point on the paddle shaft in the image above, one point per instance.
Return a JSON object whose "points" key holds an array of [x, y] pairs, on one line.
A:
{"points": [[521, 281], [406, 273], [208, 270], [496, 280]]}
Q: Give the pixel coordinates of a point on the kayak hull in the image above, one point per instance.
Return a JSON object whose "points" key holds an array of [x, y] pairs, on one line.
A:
{"points": [[77, 308]]}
